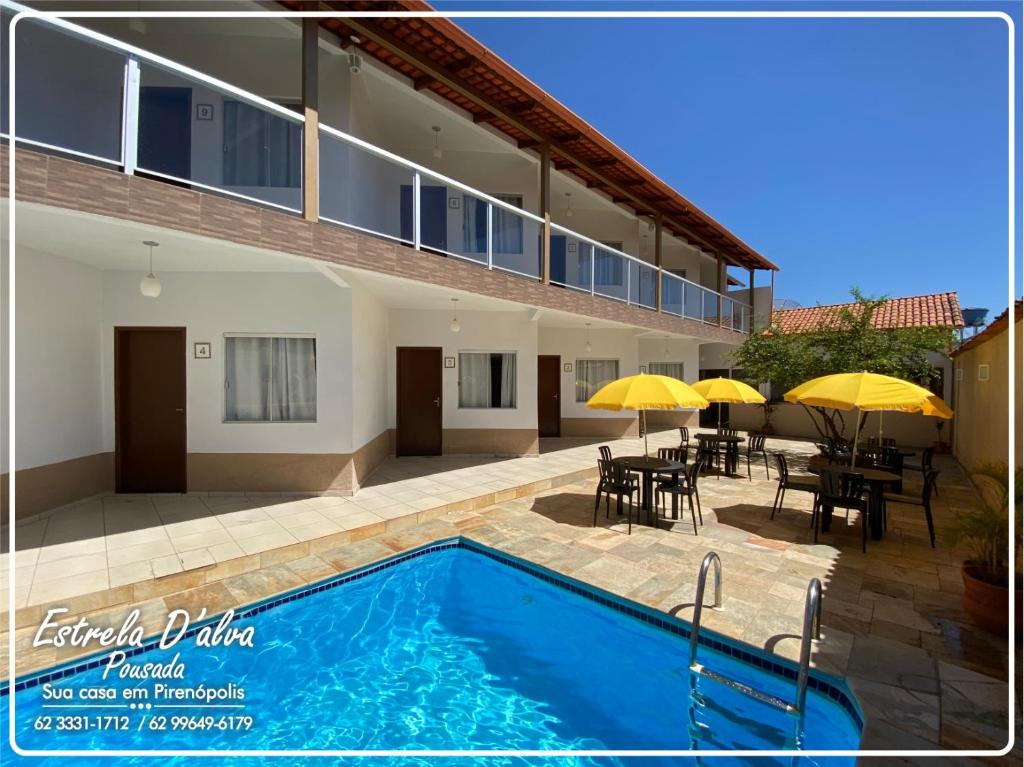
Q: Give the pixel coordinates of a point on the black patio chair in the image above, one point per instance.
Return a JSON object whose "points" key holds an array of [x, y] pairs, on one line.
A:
{"points": [[727, 432], [606, 452], [755, 446], [924, 466], [675, 455], [786, 482], [615, 479], [889, 459], [924, 500], [686, 487], [684, 436], [841, 489]]}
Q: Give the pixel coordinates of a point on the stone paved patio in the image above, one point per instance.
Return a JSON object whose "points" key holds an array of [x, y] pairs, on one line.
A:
{"points": [[117, 540], [892, 624]]}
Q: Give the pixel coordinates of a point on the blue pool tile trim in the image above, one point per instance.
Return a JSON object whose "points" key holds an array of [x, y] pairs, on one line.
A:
{"points": [[707, 638]]}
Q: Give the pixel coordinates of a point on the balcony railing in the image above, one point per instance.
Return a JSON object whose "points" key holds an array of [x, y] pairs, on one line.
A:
{"points": [[112, 103]]}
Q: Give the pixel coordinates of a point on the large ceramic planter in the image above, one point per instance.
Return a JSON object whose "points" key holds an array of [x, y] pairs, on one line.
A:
{"points": [[987, 603]]}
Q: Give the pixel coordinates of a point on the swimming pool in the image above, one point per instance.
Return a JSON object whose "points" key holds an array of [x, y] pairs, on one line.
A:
{"points": [[456, 646]]}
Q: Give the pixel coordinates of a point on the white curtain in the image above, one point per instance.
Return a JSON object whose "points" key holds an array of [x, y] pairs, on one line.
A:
{"points": [[487, 379], [294, 391], [591, 375], [670, 369], [270, 379], [474, 380], [507, 226], [247, 371], [508, 380], [474, 224]]}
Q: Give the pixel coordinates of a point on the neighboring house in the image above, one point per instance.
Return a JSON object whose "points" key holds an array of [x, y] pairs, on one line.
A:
{"points": [[982, 393], [375, 237], [931, 310]]}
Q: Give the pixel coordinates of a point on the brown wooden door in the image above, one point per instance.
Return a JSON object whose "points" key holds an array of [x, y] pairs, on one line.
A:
{"points": [[549, 404], [149, 404], [419, 401]]}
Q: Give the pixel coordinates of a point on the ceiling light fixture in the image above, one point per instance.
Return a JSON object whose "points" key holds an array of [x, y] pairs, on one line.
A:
{"points": [[150, 286], [437, 141], [587, 347], [454, 325], [355, 61], [568, 204]]}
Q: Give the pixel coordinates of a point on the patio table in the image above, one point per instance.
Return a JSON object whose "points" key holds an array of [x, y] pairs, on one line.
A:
{"points": [[875, 479], [732, 448], [647, 466]]}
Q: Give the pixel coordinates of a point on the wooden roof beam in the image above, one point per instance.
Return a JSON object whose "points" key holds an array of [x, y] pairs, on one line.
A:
{"points": [[388, 42]]}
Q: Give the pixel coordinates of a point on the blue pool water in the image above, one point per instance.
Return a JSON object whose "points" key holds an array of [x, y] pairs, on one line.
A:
{"points": [[455, 650]]}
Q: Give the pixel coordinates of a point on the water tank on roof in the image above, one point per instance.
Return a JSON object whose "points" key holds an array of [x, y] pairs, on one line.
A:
{"points": [[974, 318]]}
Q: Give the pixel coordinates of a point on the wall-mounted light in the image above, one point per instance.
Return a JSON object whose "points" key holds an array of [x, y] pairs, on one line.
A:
{"points": [[454, 325], [150, 286], [437, 141], [568, 204], [587, 347]]}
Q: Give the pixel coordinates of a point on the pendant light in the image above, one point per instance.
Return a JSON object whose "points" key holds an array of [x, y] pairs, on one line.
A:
{"points": [[454, 325], [568, 204], [587, 347], [150, 286], [437, 141]]}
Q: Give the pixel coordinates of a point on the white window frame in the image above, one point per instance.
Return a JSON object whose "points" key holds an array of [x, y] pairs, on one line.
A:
{"points": [[984, 371], [458, 379], [224, 380], [618, 372], [681, 364]]}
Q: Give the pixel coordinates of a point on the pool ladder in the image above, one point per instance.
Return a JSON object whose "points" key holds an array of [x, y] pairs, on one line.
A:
{"points": [[811, 632]]}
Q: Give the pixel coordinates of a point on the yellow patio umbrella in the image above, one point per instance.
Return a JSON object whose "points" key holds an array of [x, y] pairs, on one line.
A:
{"points": [[868, 391], [727, 390], [646, 392]]}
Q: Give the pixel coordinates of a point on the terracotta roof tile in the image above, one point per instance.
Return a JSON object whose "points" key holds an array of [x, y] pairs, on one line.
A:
{"points": [[933, 310]]}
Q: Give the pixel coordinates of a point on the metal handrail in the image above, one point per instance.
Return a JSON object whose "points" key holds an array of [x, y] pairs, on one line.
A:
{"points": [[54, 19], [698, 602], [811, 631]]}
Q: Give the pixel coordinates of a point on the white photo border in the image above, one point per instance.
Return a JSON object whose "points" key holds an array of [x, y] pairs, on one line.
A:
{"points": [[453, 14]]}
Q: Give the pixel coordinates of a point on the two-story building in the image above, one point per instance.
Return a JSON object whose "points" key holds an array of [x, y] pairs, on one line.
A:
{"points": [[263, 254]]}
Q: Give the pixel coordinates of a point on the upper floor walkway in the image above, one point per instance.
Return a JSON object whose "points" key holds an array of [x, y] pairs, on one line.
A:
{"points": [[83, 91]]}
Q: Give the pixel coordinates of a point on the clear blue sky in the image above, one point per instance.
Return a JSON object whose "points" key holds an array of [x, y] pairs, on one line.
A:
{"points": [[849, 152]]}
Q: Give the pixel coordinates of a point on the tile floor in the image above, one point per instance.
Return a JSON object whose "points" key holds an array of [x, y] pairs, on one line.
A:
{"points": [[123, 539]]}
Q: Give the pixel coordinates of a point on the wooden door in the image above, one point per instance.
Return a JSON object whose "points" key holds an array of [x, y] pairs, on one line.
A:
{"points": [[549, 404], [419, 401], [149, 405]]}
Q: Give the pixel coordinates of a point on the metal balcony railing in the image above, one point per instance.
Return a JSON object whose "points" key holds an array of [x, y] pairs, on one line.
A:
{"points": [[113, 103]]}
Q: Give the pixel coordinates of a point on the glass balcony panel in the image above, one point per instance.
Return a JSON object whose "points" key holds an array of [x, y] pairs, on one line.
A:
{"points": [[368, 192], [671, 294], [610, 274], [69, 90], [516, 243], [710, 306], [193, 132], [570, 261], [642, 280], [453, 222], [693, 301], [728, 306]]}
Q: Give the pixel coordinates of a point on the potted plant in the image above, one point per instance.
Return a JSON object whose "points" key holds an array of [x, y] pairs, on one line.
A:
{"points": [[985, 533]]}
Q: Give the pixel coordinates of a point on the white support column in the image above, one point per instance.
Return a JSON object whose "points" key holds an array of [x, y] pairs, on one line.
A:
{"points": [[490, 236], [416, 210], [130, 115]]}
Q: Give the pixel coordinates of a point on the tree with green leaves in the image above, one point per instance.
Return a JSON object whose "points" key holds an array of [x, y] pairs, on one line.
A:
{"points": [[845, 341]]}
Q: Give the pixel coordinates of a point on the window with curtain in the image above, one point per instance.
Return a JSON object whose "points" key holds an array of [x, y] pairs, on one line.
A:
{"points": [[670, 369], [608, 266], [269, 379], [507, 226], [474, 224], [260, 148], [591, 375], [487, 379]]}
